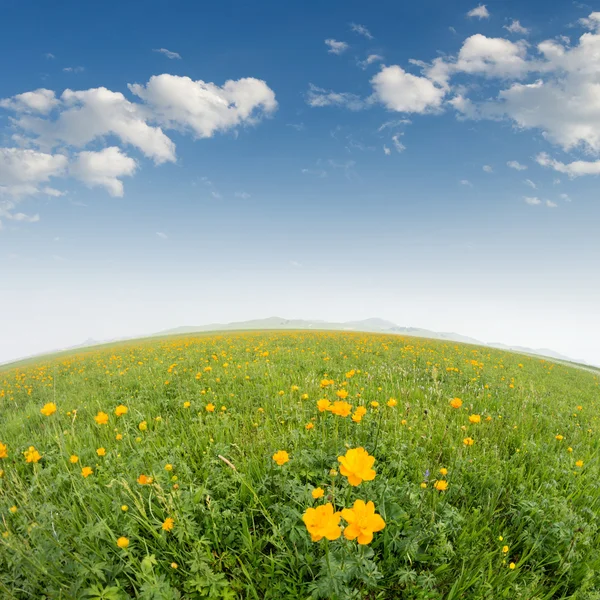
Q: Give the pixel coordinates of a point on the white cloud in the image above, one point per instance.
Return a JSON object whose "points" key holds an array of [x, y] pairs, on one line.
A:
{"points": [[530, 184], [387, 151], [466, 182], [167, 53], [400, 147], [49, 55], [591, 22], [492, 57], [318, 97], [573, 169], [73, 69], [336, 47], [22, 217], [487, 169], [481, 12], [243, 195], [403, 92], [516, 27], [205, 108], [556, 181], [452, 30], [551, 204], [393, 124], [22, 170], [533, 201], [40, 101], [103, 168], [565, 197], [361, 30], [49, 191], [513, 164], [162, 236], [372, 58], [316, 172]]}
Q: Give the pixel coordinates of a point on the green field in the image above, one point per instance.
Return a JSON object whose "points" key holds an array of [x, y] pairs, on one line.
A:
{"points": [[154, 478]]}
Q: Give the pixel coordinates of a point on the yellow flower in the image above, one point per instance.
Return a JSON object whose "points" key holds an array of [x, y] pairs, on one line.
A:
{"points": [[475, 419], [443, 471], [309, 426], [168, 524], [500, 538], [281, 457], [74, 459], [124, 507], [392, 402], [559, 437], [174, 565], [144, 480], [223, 408], [86, 472], [350, 374], [357, 466], [48, 409], [580, 408], [101, 452], [187, 404], [13, 509], [304, 397], [441, 485], [119, 437], [512, 566], [403, 422], [323, 405], [423, 485], [504, 549], [210, 407], [101, 418], [32, 455], [456, 403], [322, 522], [342, 394], [3, 450], [375, 404], [569, 449], [121, 410], [341, 408], [122, 542], [468, 441], [317, 493], [295, 388], [363, 521], [579, 463], [143, 426], [168, 467], [326, 382], [1, 473]]}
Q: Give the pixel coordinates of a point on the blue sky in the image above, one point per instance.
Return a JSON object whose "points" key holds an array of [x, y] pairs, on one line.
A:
{"points": [[430, 163]]}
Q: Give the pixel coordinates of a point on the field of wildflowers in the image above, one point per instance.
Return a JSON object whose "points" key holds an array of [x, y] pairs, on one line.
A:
{"points": [[299, 465]]}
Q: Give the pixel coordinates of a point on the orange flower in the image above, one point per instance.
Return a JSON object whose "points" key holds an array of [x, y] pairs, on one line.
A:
{"points": [[101, 451], [375, 404], [122, 542], [341, 408], [101, 418], [323, 405], [392, 402], [74, 459], [579, 463], [456, 403], [357, 466], [48, 409], [281, 457], [309, 426], [559, 437], [475, 419], [32, 455], [318, 493], [3, 450], [144, 480], [168, 524], [342, 394], [322, 522], [363, 521], [210, 407], [86, 472], [121, 410], [441, 485], [468, 441]]}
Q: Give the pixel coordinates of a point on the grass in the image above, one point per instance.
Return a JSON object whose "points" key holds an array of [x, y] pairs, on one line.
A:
{"points": [[216, 517]]}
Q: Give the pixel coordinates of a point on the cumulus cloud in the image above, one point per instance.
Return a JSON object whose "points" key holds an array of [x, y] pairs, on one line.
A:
{"points": [[103, 168], [336, 47], [516, 165], [361, 30], [205, 108], [573, 169], [167, 53], [551, 204], [487, 169], [492, 57], [404, 92], [317, 97], [38, 101], [481, 12], [516, 27], [532, 200]]}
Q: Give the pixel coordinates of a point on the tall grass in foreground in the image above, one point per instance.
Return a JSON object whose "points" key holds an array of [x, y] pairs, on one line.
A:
{"points": [[204, 467]]}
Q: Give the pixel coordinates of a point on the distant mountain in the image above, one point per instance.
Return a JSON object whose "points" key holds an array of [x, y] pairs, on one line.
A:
{"points": [[537, 351]]}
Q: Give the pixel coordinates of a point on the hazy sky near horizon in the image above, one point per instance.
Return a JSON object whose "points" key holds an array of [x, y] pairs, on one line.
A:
{"points": [[434, 164]]}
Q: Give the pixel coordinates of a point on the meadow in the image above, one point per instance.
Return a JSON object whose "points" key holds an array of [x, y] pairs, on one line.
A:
{"points": [[297, 465]]}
